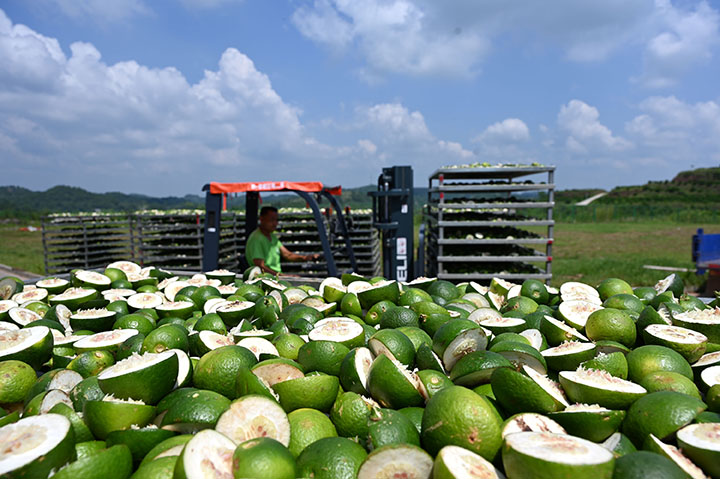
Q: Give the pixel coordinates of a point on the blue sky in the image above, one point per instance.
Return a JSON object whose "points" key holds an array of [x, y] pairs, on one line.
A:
{"points": [[159, 97]]}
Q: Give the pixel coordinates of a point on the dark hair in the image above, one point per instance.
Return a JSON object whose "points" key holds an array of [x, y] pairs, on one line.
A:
{"points": [[267, 209]]}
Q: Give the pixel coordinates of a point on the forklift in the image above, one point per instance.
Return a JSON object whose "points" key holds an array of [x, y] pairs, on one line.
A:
{"points": [[393, 212], [311, 192]]}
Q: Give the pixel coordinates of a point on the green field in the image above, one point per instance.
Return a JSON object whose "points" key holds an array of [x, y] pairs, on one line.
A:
{"points": [[590, 252], [587, 252], [21, 249]]}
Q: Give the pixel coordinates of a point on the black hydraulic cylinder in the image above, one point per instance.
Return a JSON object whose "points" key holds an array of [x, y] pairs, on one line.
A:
{"points": [[211, 240], [393, 215]]}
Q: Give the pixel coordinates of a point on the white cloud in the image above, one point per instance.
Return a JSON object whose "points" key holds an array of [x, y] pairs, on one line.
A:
{"points": [[670, 126], [666, 136], [102, 10], [402, 137], [505, 141], [426, 37], [367, 146], [394, 36], [31, 61], [585, 132], [324, 24], [508, 130], [685, 38], [74, 119]]}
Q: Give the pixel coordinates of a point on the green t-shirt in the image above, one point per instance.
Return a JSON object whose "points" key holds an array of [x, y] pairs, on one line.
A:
{"points": [[259, 247]]}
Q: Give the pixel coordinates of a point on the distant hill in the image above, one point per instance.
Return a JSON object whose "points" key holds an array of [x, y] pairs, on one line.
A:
{"points": [[573, 196], [700, 186], [21, 202]]}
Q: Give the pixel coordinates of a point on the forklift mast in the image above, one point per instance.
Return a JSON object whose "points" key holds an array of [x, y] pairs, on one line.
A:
{"points": [[393, 216]]}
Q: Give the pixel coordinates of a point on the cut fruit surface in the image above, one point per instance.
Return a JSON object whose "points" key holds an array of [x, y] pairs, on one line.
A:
{"points": [[106, 341], [33, 446], [145, 300], [710, 376], [92, 279], [556, 332], [453, 462], [38, 294], [576, 312], [341, 330], [208, 455], [53, 285], [23, 316], [591, 386], [128, 267], [574, 289], [31, 345], [671, 452], [354, 370], [701, 442], [73, 297], [273, 371], [545, 455], [254, 416], [258, 346], [147, 378], [396, 460], [705, 321], [690, 344], [569, 355], [530, 421]]}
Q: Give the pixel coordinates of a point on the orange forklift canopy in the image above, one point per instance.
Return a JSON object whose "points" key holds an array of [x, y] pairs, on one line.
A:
{"points": [[260, 186]]}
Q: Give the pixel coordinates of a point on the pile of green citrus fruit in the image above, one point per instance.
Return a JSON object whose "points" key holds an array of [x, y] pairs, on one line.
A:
{"points": [[136, 372]]}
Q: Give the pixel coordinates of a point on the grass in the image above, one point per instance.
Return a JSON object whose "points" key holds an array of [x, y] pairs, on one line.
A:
{"points": [[587, 252], [591, 252], [21, 249]]}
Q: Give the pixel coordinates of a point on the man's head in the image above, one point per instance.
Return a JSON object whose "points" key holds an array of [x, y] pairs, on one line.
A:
{"points": [[268, 219]]}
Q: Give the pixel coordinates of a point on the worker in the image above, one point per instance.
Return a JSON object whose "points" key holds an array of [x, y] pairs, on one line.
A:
{"points": [[264, 249]]}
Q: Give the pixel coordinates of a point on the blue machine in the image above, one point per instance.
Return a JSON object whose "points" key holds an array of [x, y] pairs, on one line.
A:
{"points": [[706, 252]]}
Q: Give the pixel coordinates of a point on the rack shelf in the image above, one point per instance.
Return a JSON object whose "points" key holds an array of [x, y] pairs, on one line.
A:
{"points": [[175, 240], [487, 222]]}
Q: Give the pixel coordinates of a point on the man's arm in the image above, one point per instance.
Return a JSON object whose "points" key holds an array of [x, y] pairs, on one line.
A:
{"points": [[265, 268], [290, 256]]}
